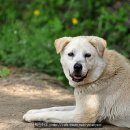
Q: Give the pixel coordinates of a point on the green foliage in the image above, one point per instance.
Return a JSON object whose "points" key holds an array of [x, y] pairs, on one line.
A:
{"points": [[4, 72], [29, 28]]}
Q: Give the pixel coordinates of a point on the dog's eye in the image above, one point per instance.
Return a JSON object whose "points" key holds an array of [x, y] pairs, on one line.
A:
{"points": [[71, 54], [87, 55]]}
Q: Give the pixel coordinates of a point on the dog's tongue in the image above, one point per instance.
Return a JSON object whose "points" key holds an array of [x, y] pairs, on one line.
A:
{"points": [[77, 77]]}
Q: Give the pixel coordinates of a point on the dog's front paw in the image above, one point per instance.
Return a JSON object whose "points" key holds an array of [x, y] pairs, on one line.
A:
{"points": [[27, 117], [39, 116]]}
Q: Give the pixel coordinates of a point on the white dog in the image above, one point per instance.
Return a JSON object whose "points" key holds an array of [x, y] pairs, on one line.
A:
{"points": [[101, 78]]}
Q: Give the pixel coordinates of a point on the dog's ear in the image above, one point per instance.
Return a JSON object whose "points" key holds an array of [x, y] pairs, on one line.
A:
{"points": [[99, 43], [61, 43]]}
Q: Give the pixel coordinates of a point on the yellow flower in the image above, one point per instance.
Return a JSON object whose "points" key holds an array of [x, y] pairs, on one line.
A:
{"points": [[36, 12], [75, 21]]}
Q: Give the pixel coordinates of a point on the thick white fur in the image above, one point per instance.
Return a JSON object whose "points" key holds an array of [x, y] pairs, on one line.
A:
{"points": [[104, 95]]}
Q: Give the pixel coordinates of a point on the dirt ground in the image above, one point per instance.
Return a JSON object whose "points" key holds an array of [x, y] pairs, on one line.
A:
{"points": [[24, 90]]}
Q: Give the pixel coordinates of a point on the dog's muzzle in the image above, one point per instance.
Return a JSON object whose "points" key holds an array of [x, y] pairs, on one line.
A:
{"points": [[77, 73]]}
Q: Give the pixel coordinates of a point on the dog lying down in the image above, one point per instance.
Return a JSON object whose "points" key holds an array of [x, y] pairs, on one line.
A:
{"points": [[101, 78]]}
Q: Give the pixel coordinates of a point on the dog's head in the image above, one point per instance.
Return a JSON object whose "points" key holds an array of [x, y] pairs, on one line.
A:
{"points": [[81, 58]]}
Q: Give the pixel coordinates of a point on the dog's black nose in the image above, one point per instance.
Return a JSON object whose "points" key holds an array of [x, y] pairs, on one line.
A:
{"points": [[77, 67]]}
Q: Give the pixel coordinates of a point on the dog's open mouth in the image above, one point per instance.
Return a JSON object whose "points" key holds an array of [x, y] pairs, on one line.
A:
{"points": [[77, 77]]}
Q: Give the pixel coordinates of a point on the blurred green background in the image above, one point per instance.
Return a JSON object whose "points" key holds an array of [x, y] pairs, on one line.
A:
{"points": [[28, 29]]}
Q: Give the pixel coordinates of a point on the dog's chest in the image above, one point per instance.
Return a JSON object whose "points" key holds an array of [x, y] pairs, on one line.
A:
{"points": [[86, 100]]}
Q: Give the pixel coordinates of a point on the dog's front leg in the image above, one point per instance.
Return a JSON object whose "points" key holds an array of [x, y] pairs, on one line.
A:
{"points": [[52, 116], [73, 116]]}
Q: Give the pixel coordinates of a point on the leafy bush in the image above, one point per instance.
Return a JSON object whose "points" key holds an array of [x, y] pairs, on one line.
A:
{"points": [[4, 72], [29, 28]]}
